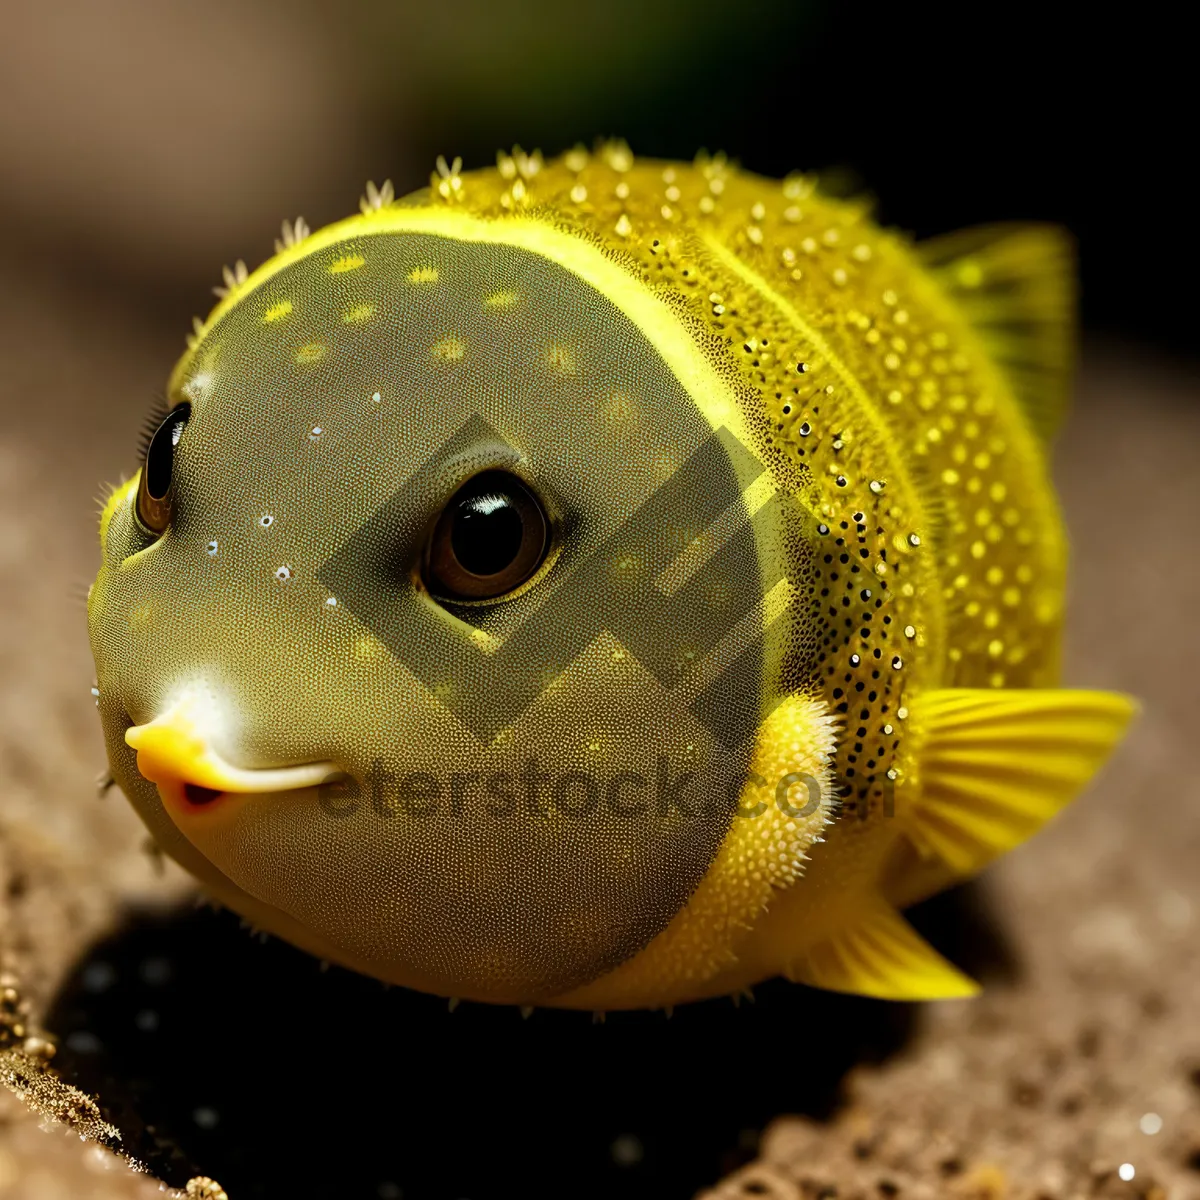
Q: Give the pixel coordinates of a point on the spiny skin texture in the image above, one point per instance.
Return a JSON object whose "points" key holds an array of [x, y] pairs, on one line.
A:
{"points": [[605, 316]]}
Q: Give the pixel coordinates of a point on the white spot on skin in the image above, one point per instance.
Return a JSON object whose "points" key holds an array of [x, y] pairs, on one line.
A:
{"points": [[266, 520], [376, 397], [211, 549], [331, 602], [315, 432], [283, 574]]}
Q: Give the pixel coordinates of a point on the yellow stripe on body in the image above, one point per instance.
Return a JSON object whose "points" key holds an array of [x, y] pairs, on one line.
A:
{"points": [[658, 324], [868, 412]]}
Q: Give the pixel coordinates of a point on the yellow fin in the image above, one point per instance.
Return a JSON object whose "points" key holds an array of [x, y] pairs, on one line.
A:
{"points": [[1016, 285], [997, 764], [881, 955]]}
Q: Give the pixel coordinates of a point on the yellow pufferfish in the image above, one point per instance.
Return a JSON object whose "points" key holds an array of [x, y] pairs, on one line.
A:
{"points": [[604, 584]]}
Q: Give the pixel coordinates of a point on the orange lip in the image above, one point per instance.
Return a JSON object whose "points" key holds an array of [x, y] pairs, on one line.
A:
{"points": [[174, 751]]}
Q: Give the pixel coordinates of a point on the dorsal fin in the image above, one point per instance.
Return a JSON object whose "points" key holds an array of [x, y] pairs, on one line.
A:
{"points": [[1016, 285]]}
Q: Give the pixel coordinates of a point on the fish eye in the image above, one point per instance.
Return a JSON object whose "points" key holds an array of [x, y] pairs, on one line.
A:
{"points": [[156, 493], [489, 539]]}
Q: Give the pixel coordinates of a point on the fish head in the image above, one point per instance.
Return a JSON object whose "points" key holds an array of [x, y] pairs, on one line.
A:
{"points": [[430, 634]]}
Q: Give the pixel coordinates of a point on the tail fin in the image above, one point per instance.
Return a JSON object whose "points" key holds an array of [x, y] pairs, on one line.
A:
{"points": [[999, 763]]}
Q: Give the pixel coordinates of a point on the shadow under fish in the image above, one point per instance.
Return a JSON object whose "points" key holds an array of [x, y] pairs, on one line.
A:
{"points": [[218, 1054]]}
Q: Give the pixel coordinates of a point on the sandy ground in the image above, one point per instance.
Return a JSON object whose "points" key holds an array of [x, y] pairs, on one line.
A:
{"points": [[1082, 1056]]}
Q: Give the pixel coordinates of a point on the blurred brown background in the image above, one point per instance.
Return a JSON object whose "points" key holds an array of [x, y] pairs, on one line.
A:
{"points": [[143, 145]]}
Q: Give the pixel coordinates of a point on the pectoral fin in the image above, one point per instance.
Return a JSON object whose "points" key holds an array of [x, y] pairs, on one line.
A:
{"points": [[997, 764], [881, 955]]}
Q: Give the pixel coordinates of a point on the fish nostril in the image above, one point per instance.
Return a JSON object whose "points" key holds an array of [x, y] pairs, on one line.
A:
{"points": [[196, 794]]}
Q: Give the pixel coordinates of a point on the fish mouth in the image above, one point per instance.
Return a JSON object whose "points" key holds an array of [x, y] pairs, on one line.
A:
{"points": [[175, 751]]}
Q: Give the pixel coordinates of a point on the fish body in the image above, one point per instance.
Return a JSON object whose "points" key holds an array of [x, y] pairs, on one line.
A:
{"points": [[775, 647]]}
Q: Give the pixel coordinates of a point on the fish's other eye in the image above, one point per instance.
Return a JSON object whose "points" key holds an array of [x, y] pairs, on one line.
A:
{"points": [[156, 488], [490, 539]]}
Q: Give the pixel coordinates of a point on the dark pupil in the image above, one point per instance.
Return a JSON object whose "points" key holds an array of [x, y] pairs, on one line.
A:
{"points": [[161, 452], [487, 534]]}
